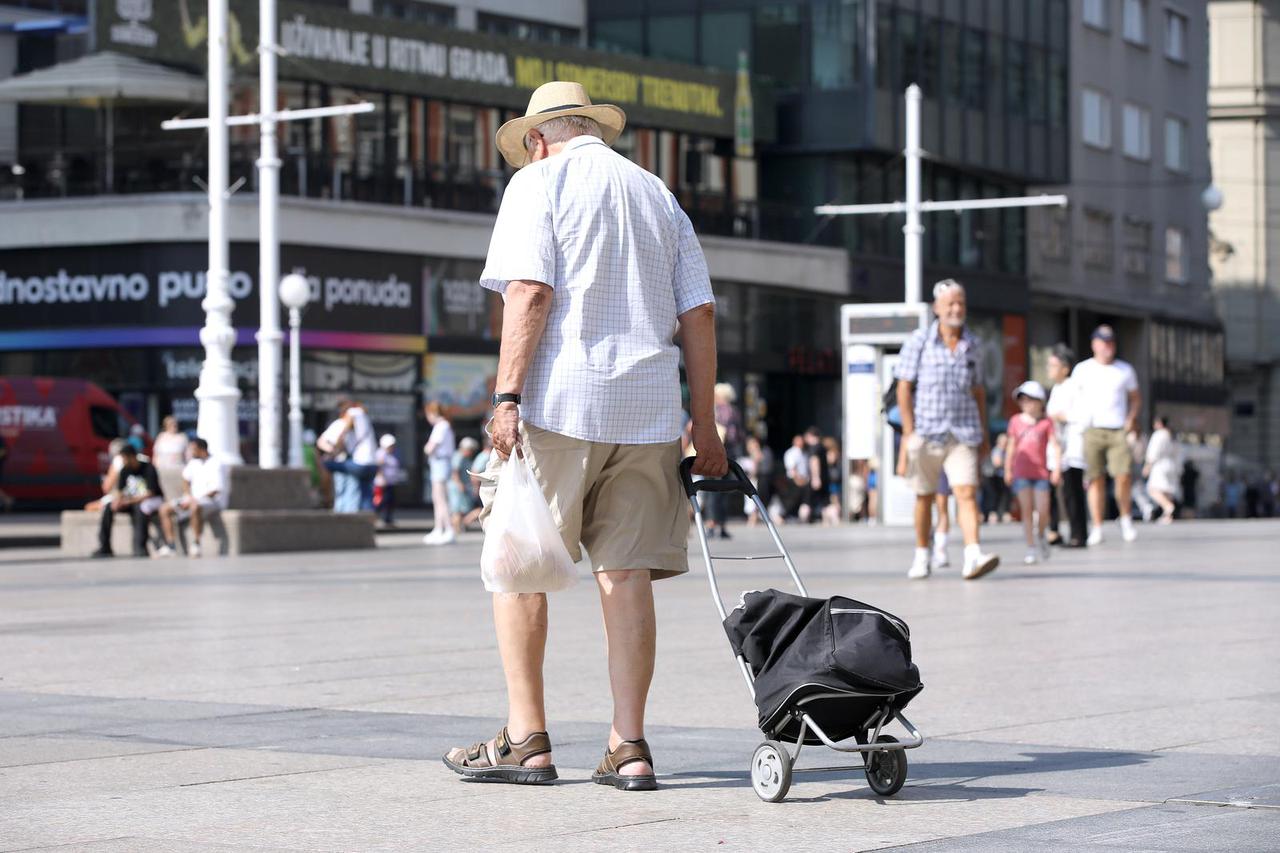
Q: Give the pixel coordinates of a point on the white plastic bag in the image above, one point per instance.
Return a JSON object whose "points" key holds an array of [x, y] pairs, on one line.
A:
{"points": [[523, 551]]}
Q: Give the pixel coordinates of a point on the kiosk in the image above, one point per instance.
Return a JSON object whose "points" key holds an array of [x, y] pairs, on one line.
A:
{"points": [[871, 335]]}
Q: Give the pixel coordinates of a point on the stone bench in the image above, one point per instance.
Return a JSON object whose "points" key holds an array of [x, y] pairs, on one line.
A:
{"points": [[236, 531]]}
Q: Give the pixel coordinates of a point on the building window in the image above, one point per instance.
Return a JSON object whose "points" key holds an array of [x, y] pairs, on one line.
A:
{"points": [[1096, 120], [1175, 35], [1098, 241], [1137, 247], [723, 36], [1055, 236], [672, 37], [1175, 144], [501, 25], [975, 50], [779, 44], [1094, 13], [1135, 21], [1016, 78], [1137, 132], [1175, 255], [622, 35], [834, 30]]}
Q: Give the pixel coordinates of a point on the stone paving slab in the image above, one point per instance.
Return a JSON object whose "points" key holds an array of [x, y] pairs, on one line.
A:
{"points": [[291, 702]]}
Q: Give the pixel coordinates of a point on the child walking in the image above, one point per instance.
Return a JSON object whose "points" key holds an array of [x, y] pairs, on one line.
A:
{"points": [[1031, 434]]}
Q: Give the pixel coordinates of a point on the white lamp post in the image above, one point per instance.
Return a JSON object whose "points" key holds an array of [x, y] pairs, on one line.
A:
{"points": [[295, 292]]}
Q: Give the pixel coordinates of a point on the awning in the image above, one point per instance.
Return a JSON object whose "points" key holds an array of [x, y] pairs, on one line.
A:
{"points": [[104, 79]]}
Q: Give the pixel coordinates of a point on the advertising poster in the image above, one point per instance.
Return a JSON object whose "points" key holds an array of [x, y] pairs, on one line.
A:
{"points": [[460, 383]]}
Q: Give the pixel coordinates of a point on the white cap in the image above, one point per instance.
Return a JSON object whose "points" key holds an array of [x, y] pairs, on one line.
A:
{"points": [[387, 440], [1032, 389]]}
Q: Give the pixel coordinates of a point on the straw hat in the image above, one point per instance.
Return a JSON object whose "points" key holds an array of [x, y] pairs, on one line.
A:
{"points": [[553, 100]]}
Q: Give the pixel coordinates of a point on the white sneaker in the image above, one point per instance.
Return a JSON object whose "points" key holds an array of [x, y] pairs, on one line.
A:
{"points": [[447, 537], [193, 550], [978, 564], [163, 551], [1095, 536], [939, 559], [920, 565], [1044, 550], [432, 537], [1032, 557], [1127, 533]]}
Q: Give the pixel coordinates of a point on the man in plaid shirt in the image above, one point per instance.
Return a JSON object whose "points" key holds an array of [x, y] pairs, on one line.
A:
{"points": [[943, 402]]}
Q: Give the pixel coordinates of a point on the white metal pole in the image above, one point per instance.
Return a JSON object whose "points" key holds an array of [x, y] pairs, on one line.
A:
{"points": [[913, 231], [268, 244], [295, 390], [217, 422]]}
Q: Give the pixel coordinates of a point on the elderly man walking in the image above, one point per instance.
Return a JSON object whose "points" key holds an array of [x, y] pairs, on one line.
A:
{"points": [[1109, 399], [601, 274], [943, 402]]}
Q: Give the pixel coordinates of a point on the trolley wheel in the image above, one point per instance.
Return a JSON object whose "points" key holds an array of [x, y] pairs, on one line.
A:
{"points": [[771, 771], [886, 771]]}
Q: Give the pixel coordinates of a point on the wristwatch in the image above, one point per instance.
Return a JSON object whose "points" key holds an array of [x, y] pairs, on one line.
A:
{"points": [[505, 397]]}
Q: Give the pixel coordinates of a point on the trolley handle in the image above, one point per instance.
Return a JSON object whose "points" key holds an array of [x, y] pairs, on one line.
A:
{"points": [[738, 481]]}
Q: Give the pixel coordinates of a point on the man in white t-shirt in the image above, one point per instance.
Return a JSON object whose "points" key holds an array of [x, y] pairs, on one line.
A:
{"points": [[1109, 402], [204, 487]]}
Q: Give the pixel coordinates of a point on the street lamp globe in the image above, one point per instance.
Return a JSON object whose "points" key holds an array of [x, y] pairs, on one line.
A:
{"points": [[1211, 198], [295, 292]]}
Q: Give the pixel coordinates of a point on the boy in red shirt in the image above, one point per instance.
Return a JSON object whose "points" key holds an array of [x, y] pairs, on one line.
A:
{"points": [[1030, 435]]}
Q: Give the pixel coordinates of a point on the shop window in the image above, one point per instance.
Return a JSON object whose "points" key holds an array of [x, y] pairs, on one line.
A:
{"points": [[723, 35], [1098, 240], [460, 145], [1055, 233], [1137, 247], [834, 36], [623, 35], [672, 37], [779, 42]]}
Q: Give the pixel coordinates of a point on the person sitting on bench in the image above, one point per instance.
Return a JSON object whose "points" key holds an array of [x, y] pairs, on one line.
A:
{"points": [[137, 492], [204, 494]]}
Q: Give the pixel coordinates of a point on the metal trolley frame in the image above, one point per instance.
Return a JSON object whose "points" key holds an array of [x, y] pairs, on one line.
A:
{"points": [[773, 763]]}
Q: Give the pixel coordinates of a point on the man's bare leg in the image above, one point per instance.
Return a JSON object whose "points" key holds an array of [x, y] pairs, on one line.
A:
{"points": [[1124, 495], [1098, 500], [924, 520], [967, 512], [197, 523], [520, 620], [166, 523], [626, 597]]}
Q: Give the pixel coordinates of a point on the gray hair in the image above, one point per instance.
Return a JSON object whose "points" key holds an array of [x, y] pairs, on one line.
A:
{"points": [[945, 285], [564, 128]]}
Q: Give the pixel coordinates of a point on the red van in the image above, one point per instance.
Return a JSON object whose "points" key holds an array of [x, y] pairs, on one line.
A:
{"points": [[57, 432]]}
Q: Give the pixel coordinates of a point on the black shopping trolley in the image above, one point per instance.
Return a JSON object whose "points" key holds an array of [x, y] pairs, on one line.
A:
{"points": [[821, 671]]}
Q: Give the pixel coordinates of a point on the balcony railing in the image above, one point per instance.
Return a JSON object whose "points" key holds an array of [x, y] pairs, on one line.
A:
{"points": [[164, 167]]}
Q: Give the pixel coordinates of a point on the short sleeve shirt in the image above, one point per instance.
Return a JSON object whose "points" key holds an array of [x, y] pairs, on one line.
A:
{"points": [[944, 380], [624, 264], [1031, 447], [1103, 392]]}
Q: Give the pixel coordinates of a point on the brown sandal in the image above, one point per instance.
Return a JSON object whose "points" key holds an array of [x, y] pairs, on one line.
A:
{"points": [[477, 764], [627, 752]]}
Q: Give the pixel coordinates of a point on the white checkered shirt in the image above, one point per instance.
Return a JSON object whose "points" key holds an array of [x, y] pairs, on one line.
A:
{"points": [[624, 262], [944, 402]]}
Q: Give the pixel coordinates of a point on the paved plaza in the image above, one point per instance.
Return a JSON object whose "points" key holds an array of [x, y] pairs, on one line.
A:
{"points": [[1123, 698]]}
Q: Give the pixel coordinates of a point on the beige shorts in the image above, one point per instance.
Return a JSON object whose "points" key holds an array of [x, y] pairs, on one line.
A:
{"points": [[926, 460], [623, 502], [1106, 451]]}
